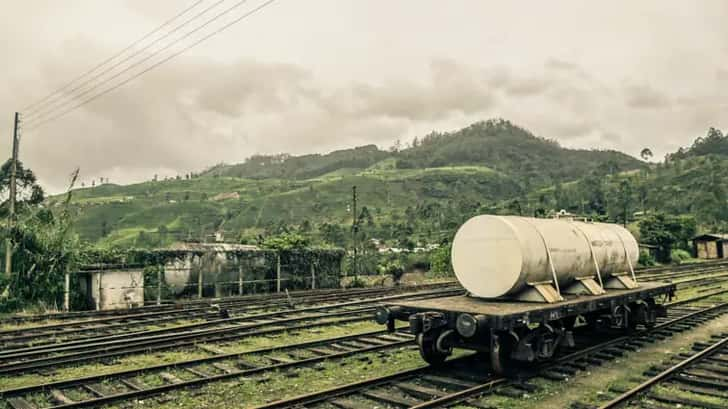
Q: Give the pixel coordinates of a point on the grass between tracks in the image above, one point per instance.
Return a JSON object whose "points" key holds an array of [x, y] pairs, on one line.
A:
{"points": [[142, 360], [249, 392]]}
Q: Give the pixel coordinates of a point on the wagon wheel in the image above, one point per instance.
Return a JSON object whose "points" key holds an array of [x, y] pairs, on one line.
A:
{"points": [[428, 343], [500, 354]]}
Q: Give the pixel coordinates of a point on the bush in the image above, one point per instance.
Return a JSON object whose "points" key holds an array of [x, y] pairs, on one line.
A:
{"points": [[646, 259], [440, 261], [357, 283], [679, 256], [392, 268]]}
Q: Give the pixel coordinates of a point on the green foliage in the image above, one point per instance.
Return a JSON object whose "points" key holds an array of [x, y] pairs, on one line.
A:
{"points": [[286, 241], [29, 193], [393, 268], [667, 232], [44, 249], [646, 259], [678, 256], [713, 143], [441, 260], [409, 196]]}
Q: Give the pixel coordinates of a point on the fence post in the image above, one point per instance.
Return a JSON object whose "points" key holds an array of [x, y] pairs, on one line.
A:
{"points": [[67, 292], [159, 285], [199, 283], [240, 278], [278, 272], [100, 289]]}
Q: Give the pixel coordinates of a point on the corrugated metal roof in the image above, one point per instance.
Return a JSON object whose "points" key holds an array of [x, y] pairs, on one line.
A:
{"points": [[712, 236], [215, 247]]}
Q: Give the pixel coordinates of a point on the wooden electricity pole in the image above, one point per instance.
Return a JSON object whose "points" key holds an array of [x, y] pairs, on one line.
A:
{"points": [[354, 231], [11, 212]]}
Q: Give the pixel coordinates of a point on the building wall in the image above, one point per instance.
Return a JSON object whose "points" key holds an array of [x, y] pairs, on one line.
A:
{"points": [[117, 289], [706, 249]]}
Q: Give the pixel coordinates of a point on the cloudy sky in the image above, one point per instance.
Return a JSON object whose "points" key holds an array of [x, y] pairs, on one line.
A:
{"points": [[317, 75]]}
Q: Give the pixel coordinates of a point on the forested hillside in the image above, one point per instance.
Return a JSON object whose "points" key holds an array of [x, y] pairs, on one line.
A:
{"points": [[497, 144], [417, 194]]}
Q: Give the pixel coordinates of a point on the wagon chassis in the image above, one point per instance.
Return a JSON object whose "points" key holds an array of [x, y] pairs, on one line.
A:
{"points": [[517, 333]]}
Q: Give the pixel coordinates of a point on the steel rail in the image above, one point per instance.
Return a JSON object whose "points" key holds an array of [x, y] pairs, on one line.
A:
{"points": [[223, 321], [462, 396], [485, 387], [83, 351], [626, 397], [402, 337], [201, 304], [234, 306], [212, 378]]}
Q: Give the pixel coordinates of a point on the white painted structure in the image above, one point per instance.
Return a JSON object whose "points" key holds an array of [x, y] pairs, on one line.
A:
{"points": [[496, 256], [115, 289]]}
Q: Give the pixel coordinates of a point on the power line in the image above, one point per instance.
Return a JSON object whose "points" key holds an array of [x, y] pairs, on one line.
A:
{"points": [[166, 59], [70, 93], [42, 101]]}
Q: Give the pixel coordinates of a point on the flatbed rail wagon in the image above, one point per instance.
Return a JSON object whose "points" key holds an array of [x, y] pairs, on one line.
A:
{"points": [[531, 284], [520, 332]]}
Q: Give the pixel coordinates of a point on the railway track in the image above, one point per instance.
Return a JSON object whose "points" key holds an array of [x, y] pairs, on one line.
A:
{"points": [[672, 271], [456, 383], [131, 326], [201, 317], [196, 309], [29, 356], [460, 378], [687, 382], [137, 383], [85, 350]]}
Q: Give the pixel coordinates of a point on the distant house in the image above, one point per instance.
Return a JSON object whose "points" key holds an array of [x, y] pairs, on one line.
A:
{"points": [[711, 245]]}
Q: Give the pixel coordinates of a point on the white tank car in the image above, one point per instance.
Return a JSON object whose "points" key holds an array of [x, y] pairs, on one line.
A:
{"points": [[499, 256]]}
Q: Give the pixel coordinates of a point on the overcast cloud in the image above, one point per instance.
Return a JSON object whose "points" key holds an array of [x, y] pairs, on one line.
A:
{"points": [[316, 75]]}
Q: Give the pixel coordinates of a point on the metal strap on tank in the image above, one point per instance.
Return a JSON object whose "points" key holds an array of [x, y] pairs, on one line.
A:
{"points": [[548, 255], [593, 255], [626, 255]]}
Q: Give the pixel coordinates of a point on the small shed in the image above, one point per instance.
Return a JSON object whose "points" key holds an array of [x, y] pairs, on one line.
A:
{"points": [[651, 249], [711, 245]]}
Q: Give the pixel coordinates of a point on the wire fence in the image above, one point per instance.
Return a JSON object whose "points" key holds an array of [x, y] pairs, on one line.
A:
{"points": [[125, 286]]}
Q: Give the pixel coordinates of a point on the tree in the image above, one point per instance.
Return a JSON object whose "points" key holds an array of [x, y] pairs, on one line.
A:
{"points": [[625, 199], [45, 247], [440, 260], [667, 232], [28, 192], [285, 241], [646, 154]]}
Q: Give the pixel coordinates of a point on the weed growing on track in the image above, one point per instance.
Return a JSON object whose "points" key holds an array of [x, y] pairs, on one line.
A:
{"points": [[244, 393]]}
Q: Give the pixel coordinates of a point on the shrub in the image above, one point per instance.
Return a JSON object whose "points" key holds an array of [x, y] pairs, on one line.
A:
{"points": [[679, 256], [440, 261], [393, 269], [646, 259]]}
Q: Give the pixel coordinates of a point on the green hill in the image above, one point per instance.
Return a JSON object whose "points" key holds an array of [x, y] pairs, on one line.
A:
{"points": [[497, 144], [421, 192]]}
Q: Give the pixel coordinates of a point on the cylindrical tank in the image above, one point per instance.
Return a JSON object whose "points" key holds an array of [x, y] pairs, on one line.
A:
{"points": [[495, 256]]}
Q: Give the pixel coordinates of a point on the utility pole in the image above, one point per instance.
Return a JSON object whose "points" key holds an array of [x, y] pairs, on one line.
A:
{"points": [[354, 231], [11, 212]]}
